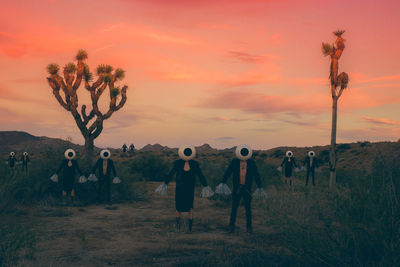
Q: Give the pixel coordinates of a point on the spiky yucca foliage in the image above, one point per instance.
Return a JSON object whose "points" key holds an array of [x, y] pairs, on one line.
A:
{"points": [[101, 69], [81, 55], [114, 92], [108, 69], [107, 77], [70, 68], [53, 68], [343, 80], [326, 49], [119, 74], [339, 33], [87, 75]]}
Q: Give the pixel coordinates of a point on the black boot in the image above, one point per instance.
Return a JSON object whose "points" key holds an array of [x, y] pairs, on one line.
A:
{"points": [[190, 225], [231, 229], [249, 229], [178, 223]]}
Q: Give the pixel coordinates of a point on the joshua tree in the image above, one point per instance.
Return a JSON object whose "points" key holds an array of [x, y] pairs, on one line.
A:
{"points": [[65, 91], [338, 84]]}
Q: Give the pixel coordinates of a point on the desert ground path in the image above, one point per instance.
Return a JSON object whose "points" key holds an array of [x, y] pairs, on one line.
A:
{"points": [[143, 233]]}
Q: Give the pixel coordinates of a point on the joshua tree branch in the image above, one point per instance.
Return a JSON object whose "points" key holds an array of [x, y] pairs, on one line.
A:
{"points": [[79, 76]]}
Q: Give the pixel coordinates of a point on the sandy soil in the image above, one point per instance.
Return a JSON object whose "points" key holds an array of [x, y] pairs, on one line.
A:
{"points": [[143, 233]]}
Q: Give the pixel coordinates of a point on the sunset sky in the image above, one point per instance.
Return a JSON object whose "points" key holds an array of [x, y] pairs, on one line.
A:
{"points": [[222, 72]]}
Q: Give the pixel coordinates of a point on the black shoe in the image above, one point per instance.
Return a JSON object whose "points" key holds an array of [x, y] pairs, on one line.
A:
{"points": [[178, 223], [231, 229], [250, 230]]}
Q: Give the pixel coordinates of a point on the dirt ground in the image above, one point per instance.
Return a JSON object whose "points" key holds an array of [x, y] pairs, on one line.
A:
{"points": [[143, 233]]}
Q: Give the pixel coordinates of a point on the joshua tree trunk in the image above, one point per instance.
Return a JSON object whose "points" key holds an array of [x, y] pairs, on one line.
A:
{"points": [[332, 154], [335, 51]]}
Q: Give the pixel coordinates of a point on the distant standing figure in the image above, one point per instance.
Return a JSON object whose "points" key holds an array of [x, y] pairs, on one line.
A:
{"points": [[25, 160], [131, 148], [69, 166], [124, 148], [186, 170], [311, 164], [105, 166], [12, 161], [288, 164], [244, 170]]}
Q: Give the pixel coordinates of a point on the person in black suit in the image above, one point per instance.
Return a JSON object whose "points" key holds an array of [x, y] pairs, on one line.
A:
{"points": [[289, 163], [69, 166], [186, 170], [244, 170], [105, 166], [25, 160], [311, 163]]}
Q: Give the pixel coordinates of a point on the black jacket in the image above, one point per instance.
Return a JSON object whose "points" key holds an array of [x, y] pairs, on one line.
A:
{"points": [[24, 159], [180, 173], [252, 172], [99, 166], [307, 163]]}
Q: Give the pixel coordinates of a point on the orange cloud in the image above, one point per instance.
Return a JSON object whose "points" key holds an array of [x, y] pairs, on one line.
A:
{"points": [[379, 121]]}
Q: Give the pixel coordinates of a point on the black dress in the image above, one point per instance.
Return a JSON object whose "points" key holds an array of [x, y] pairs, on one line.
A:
{"points": [[288, 164], [68, 174], [185, 183], [11, 161]]}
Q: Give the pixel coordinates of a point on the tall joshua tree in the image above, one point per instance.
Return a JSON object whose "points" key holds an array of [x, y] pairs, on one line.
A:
{"points": [[338, 84], [65, 89]]}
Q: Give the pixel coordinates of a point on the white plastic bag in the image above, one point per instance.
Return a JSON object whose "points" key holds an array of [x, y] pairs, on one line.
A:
{"points": [[92, 178], [54, 178], [82, 180], [279, 168], [319, 170], [223, 189], [302, 168], [206, 192], [162, 189], [116, 180], [260, 194], [296, 169]]}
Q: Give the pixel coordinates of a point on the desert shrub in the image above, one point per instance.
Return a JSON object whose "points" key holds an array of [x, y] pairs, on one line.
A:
{"points": [[278, 153], [364, 144], [343, 147], [151, 167], [16, 242], [355, 224]]}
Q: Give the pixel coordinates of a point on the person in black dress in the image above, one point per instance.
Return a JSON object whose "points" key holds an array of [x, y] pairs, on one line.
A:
{"points": [[311, 163], [244, 170], [69, 166], [12, 161], [25, 160], [288, 163], [104, 166], [186, 170]]}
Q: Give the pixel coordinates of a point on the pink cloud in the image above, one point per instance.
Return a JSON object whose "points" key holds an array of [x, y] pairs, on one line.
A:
{"points": [[379, 121]]}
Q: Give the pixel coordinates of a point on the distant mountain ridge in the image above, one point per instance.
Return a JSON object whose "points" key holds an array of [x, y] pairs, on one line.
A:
{"points": [[351, 156]]}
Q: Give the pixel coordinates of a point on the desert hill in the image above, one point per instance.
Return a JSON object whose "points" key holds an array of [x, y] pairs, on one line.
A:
{"points": [[360, 155]]}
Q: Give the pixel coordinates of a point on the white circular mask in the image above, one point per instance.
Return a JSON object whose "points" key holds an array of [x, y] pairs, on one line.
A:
{"points": [[311, 154], [105, 154], [187, 152], [289, 154], [12, 154], [243, 152], [25, 154], [69, 154]]}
